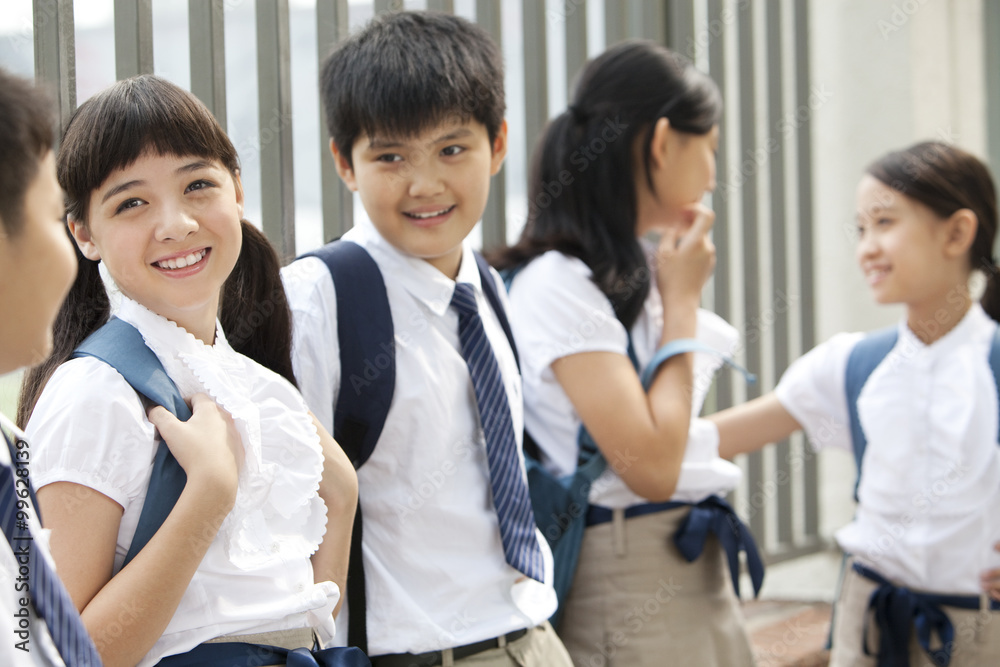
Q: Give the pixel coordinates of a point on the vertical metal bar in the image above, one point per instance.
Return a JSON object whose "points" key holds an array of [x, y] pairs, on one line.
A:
{"points": [[680, 26], [649, 20], [807, 283], [447, 6], [536, 82], [494, 225], [615, 22], [723, 251], [779, 258], [751, 250], [332, 26], [576, 39], [206, 25], [275, 104], [387, 6], [133, 38], [55, 54], [991, 46]]}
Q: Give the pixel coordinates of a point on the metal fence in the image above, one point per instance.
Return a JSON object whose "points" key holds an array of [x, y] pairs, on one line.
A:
{"points": [[758, 52]]}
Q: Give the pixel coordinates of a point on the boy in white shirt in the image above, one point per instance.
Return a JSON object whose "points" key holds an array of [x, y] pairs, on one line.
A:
{"points": [[38, 622], [453, 564]]}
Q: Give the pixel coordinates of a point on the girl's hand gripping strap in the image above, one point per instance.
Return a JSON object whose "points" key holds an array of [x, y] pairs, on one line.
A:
{"points": [[682, 346]]}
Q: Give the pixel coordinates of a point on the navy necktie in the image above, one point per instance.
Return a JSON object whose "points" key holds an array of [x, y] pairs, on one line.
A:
{"points": [[51, 601], [510, 491]]}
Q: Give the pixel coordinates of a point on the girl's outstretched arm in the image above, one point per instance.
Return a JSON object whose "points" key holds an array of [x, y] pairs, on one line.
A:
{"points": [[643, 434], [126, 614], [750, 426], [339, 490]]}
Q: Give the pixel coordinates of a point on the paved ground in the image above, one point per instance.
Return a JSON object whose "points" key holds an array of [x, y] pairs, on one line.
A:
{"points": [[790, 622]]}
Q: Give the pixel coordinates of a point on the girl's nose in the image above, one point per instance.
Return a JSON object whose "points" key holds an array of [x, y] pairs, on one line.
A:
{"points": [[175, 225]]}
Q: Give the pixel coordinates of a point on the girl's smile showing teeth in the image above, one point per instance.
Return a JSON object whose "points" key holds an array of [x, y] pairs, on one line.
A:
{"points": [[183, 261], [430, 214]]}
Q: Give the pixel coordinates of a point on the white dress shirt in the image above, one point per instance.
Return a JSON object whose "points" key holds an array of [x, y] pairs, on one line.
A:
{"points": [[557, 311], [435, 571], [89, 427], [930, 476], [37, 647]]}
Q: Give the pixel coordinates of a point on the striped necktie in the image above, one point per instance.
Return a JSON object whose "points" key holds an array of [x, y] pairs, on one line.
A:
{"points": [[52, 603], [510, 491]]}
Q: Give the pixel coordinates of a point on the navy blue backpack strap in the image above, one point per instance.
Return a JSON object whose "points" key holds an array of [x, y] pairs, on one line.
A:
{"points": [[367, 383], [367, 348], [493, 296], [865, 357], [121, 346]]}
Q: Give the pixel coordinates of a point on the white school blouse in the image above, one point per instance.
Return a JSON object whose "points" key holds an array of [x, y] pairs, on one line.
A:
{"points": [[89, 427], [558, 311], [435, 571], [37, 648], [930, 478]]}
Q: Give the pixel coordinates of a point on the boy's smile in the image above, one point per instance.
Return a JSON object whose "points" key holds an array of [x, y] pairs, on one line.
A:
{"points": [[425, 193]]}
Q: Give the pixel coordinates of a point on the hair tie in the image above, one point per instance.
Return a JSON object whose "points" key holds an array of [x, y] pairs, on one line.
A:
{"points": [[579, 115]]}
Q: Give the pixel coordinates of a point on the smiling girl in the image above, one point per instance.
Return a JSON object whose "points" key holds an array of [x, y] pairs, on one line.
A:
{"points": [[255, 549], [923, 396]]}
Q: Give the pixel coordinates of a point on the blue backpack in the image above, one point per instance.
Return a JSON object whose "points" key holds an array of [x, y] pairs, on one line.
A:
{"points": [[368, 379], [865, 357]]}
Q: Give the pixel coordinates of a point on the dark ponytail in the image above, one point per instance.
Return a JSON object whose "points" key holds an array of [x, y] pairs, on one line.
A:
{"points": [[945, 179], [582, 193], [253, 310], [85, 309]]}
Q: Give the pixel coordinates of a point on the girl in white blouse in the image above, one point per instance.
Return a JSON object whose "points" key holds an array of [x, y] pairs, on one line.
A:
{"points": [[255, 549], [929, 483], [633, 155]]}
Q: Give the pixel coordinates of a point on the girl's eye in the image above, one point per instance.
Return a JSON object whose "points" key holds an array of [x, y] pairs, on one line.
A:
{"points": [[882, 222], [452, 150], [127, 204], [200, 184], [389, 157]]}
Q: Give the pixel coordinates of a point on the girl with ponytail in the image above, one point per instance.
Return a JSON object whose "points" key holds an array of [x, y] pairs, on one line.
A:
{"points": [[917, 404], [604, 310], [254, 551]]}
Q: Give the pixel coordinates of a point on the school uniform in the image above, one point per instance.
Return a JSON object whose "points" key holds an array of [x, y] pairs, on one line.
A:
{"points": [[435, 572], [634, 598], [930, 476], [90, 428], [29, 642]]}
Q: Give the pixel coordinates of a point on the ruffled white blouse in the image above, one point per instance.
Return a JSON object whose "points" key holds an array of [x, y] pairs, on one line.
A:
{"points": [[89, 427]]}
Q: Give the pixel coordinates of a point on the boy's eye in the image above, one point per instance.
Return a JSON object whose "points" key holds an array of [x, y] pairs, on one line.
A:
{"points": [[200, 184], [452, 150], [389, 157], [127, 204]]}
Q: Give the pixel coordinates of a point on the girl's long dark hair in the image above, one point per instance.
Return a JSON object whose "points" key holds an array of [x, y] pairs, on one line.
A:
{"points": [[582, 199], [110, 131], [945, 179]]}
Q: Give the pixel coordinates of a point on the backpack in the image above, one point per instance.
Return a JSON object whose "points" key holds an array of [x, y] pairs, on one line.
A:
{"points": [[368, 361], [865, 357]]}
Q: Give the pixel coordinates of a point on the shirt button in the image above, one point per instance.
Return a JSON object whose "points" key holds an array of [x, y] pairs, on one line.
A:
{"points": [[275, 547]]}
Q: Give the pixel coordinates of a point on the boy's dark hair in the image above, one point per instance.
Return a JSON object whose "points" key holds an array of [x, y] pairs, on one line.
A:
{"points": [[27, 121], [110, 131], [408, 71], [588, 151], [945, 179]]}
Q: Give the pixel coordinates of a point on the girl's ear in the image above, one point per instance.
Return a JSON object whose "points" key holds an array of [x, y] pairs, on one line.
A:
{"points": [[238, 184], [961, 230], [83, 239], [660, 145], [344, 167]]}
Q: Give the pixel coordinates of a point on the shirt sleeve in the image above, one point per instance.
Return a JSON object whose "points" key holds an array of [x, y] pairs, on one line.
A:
{"points": [[557, 311], [812, 390], [89, 427], [312, 298]]}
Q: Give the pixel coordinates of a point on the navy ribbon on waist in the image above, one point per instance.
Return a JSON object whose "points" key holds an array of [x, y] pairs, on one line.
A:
{"points": [[239, 654], [714, 515], [897, 609]]}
